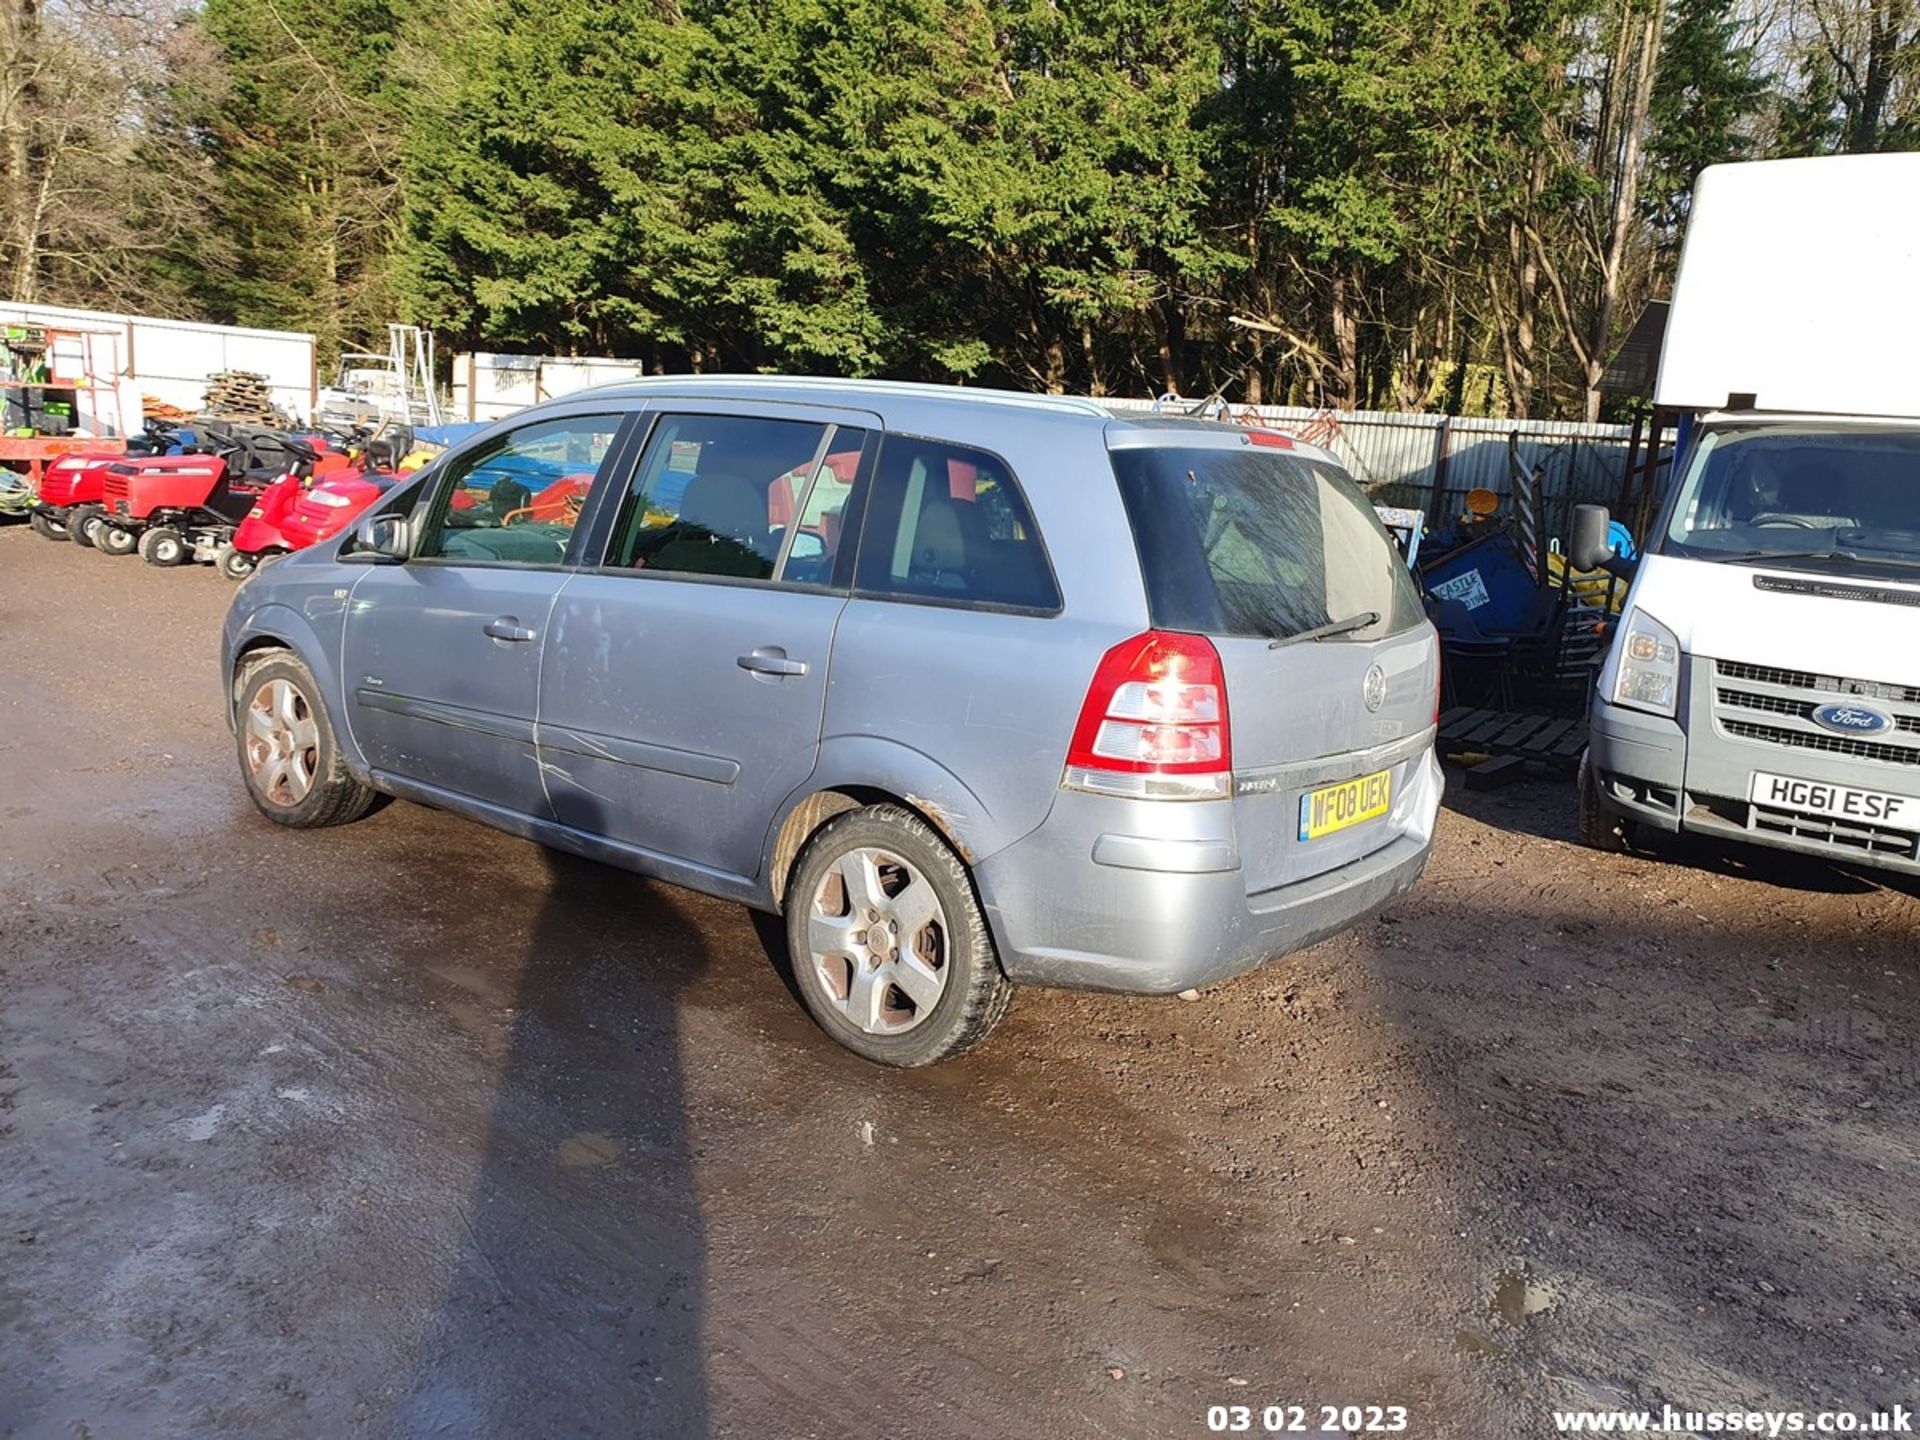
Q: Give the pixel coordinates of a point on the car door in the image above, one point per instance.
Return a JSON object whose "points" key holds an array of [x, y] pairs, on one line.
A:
{"points": [[441, 655], [685, 675]]}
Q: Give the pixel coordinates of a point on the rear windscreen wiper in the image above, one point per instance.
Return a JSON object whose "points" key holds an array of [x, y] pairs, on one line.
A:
{"points": [[1330, 629]]}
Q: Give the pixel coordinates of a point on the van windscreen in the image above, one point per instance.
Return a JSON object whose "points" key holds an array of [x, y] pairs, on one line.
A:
{"points": [[1254, 543]]}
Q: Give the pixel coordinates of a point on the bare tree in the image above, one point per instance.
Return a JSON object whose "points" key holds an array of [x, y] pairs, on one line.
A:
{"points": [[91, 188]]}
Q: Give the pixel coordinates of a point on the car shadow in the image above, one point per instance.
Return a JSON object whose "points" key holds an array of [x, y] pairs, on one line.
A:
{"points": [[576, 1303], [1549, 810]]}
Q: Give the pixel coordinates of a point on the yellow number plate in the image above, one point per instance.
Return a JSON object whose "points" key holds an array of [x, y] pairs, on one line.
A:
{"points": [[1337, 807]]}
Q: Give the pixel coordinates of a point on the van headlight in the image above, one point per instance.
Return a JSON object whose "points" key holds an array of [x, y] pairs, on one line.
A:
{"points": [[1649, 674]]}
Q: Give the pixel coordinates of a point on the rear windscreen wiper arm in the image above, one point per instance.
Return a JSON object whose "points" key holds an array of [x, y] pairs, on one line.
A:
{"points": [[1330, 629]]}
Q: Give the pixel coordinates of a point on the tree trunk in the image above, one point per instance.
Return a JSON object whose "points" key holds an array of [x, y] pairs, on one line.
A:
{"points": [[1172, 325], [19, 238], [1096, 378], [1864, 120], [1626, 192], [1056, 366], [1346, 343]]}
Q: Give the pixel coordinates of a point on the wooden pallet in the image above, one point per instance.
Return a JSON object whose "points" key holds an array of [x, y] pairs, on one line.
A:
{"points": [[1512, 743]]}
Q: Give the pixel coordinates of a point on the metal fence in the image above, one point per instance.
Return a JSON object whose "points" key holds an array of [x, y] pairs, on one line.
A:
{"points": [[1430, 462]]}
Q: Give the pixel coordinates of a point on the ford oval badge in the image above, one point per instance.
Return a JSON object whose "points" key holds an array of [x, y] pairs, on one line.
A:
{"points": [[1853, 719]]}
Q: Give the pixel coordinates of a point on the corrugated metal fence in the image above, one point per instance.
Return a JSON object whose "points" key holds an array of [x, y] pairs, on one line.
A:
{"points": [[1430, 462]]}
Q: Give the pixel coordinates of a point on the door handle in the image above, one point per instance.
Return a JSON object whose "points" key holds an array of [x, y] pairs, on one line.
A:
{"points": [[771, 660], [508, 627]]}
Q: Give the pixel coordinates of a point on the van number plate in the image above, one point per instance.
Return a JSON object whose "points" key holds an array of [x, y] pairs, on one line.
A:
{"points": [[1836, 802], [1339, 807]]}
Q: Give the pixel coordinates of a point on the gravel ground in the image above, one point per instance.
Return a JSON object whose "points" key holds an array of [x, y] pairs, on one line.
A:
{"points": [[413, 1128]]}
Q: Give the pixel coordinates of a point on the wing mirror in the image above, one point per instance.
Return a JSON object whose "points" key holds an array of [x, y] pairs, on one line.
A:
{"points": [[1590, 545], [382, 540]]}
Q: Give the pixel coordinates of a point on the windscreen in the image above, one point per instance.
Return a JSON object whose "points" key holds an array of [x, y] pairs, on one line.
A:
{"points": [[1802, 496], [1260, 543]]}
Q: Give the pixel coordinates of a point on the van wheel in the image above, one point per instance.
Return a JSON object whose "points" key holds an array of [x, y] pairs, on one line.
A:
{"points": [[46, 527], [890, 950], [112, 540], [162, 545], [82, 521], [1600, 828], [288, 755]]}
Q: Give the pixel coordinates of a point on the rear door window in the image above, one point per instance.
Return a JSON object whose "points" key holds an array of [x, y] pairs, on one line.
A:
{"points": [[1260, 543], [741, 497], [948, 523]]}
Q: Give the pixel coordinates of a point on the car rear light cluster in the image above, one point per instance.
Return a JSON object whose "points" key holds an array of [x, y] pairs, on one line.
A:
{"points": [[1154, 724]]}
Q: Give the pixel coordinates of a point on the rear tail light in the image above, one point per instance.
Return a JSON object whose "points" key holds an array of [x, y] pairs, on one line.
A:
{"points": [[1154, 725]]}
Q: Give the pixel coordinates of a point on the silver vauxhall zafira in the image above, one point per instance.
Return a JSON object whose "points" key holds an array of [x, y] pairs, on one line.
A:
{"points": [[976, 689]]}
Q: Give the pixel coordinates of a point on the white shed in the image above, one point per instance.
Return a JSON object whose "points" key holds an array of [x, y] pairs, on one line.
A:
{"points": [[169, 360]]}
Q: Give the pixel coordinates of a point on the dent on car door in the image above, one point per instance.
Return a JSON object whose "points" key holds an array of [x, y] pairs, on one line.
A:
{"points": [[443, 652], [686, 675]]}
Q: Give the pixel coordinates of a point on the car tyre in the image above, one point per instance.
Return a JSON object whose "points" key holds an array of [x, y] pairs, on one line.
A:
{"points": [[162, 546], [112, 540], [46, 527], [1600, 828], [891, 951], [289, 756]]}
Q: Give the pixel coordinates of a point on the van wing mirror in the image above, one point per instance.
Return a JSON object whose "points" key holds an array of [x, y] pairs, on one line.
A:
{"points": [[1590, 546], [382, 540]]}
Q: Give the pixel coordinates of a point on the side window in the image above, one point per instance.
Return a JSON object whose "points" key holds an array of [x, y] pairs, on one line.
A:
{"points": [[739, 496], [949, 523], [516, 501]]}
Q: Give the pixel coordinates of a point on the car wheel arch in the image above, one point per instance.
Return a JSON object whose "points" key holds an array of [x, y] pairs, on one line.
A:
{"points": [[255, 650], [804, 819]]}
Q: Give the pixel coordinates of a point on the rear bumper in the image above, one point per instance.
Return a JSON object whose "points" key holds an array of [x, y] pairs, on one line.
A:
{"points": [[1074, 909]]}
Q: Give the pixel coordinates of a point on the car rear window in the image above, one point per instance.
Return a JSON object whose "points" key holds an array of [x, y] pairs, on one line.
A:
{"points": [[1246, 542]]}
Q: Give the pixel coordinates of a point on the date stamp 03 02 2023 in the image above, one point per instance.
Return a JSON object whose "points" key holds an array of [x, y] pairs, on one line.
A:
{"points": [[1344, 1420]]}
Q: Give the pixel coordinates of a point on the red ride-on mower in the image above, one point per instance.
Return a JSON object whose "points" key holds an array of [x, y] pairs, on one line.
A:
{"points": [[173, 508], [68, 504], [154, 502], [70, 490], [302, 509]]}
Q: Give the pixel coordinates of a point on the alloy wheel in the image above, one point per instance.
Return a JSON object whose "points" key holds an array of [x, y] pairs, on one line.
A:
{"points": [[282, 743], [877, 938]]}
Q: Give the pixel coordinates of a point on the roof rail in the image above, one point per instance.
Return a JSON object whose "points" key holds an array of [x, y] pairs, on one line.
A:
{"points": [[1069, 404]]}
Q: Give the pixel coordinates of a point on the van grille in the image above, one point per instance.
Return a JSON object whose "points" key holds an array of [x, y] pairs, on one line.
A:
{"points": [[1800, 709], [1829, 744], [1822, 684], [1776, 706]]}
